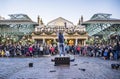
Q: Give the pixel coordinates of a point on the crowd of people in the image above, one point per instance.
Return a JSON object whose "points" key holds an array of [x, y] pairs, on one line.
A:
{"points": [[29, 50]]}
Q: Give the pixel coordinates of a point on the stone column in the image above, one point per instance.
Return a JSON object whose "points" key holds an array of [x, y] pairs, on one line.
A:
{"points": [[84, 42], [43, 41], [76, 41], [54, 40]]}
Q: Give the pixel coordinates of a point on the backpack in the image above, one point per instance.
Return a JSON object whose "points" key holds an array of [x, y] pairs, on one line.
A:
{"points": [[78, 48]]}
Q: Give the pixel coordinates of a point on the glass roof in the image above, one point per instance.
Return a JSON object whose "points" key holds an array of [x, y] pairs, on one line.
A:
{"points": [[101, 16], [19, 17]]}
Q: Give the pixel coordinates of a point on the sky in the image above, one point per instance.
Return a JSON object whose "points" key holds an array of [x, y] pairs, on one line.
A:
{"points": [[51, 9]]}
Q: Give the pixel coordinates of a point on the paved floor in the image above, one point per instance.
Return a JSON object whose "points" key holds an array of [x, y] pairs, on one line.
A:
{"points": [[43, 68]]}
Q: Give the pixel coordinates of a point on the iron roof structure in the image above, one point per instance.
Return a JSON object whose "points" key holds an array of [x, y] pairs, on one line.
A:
{"points": [[17, 19], [18, 24], [102, 24]]}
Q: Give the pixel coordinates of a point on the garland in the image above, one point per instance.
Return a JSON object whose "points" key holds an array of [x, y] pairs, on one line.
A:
{"points": [[70, 32], [49, 33], [38, 33], [81, 32]]}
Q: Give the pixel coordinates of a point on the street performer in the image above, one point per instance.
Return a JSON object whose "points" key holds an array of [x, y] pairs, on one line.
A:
{"points": [[61, 47]]}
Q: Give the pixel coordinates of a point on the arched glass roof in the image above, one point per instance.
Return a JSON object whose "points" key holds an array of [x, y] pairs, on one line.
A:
{"points": [[101, 16], [19, 17]]}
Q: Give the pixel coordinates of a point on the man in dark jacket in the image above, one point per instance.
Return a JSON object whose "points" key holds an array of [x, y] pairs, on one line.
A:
{"points": [[116, 50], [61, 43]]}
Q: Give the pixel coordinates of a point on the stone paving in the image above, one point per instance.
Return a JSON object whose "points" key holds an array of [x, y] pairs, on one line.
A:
{"points": [[43, 68]]}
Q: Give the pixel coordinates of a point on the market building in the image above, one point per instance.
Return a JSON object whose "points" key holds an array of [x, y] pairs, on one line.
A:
{"points": [[102, 28], [15, 28], [73, 34]]}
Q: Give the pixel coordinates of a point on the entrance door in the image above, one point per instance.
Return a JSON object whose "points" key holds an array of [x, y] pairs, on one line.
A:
{"points": [[40, 41], [80, 41], [71, 41], [49, 41]]}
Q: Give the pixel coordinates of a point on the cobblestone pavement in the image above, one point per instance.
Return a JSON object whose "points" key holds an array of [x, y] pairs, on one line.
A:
{"points": [[43, 68]]}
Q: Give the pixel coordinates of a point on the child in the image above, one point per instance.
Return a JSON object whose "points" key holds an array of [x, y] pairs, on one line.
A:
{"points": [[2, 53], [105, 54], [7, 53], [111, 55]]}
